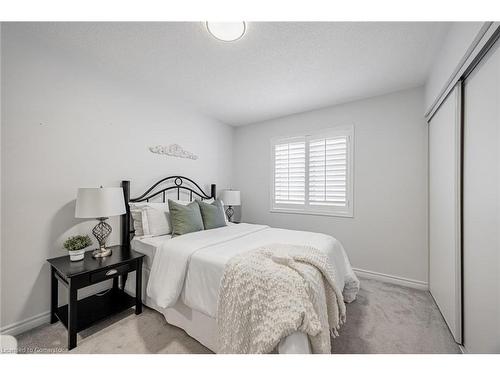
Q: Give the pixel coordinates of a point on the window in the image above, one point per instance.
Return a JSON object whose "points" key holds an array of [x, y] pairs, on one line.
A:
{"points": [[290, 173], [312, 173]]}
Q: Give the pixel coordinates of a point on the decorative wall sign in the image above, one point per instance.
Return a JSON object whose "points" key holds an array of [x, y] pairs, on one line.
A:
{"points": [[173, 150]]}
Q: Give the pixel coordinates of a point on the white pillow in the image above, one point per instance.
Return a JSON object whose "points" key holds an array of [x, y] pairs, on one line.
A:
{"points": [[158, 222], [224, 212], [157, 205], [137, 221], [150, 219]]}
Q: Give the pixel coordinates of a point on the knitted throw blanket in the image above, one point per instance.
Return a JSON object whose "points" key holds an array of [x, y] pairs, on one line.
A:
{"points": [[271, 292]]}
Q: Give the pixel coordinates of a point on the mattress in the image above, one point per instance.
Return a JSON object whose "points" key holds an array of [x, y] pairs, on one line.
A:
{"points": [[148, 246]]}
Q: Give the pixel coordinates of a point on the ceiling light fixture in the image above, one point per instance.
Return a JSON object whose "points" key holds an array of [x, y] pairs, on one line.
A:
{"points": [[227, 31]]}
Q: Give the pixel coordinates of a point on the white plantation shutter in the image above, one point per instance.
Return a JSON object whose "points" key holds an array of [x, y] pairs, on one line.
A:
{"points": [[313, 173], [328, 171], [290, 173]]}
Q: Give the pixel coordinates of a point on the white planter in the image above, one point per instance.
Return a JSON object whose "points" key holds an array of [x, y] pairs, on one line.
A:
{"points": [[76, 255]]}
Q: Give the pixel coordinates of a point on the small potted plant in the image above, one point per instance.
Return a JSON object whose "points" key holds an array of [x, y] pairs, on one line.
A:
{"points": [[76, 246]]}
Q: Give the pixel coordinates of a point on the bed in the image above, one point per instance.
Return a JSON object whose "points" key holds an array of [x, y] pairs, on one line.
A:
{"points": [[181, 275]]}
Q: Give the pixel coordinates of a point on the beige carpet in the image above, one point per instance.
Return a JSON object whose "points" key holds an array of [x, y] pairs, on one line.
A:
{"points": [[384, 319]]}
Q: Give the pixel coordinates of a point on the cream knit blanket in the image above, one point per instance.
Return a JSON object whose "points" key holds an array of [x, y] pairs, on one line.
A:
{"points": [[271, 292]]}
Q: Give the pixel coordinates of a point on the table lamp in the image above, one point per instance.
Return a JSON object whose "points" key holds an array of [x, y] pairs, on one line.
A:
{"points": [[100, 203], [230, 198]]}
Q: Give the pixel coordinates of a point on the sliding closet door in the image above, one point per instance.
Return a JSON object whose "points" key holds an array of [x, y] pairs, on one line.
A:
{"points": [[481, 206], [444, 212]]}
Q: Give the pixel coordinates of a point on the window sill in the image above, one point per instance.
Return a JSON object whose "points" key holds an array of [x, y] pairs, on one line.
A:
{"points": [[315, 213]]}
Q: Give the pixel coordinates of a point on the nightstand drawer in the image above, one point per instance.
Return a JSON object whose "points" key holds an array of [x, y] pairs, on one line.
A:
{"points": [[109, 273]]}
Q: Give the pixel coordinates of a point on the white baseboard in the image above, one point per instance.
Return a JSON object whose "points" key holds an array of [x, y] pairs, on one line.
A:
{"points": [[27, 324], [416, 284]]}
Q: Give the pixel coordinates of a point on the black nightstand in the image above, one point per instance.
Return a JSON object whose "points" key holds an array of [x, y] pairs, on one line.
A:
{"points": [[81, 314]]}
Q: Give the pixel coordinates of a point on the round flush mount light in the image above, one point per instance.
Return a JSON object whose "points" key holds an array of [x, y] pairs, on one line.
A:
{"points": [[226, 31]]}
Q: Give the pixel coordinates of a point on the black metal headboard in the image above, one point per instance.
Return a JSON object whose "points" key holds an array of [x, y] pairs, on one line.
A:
{"points": [[160, 188]]}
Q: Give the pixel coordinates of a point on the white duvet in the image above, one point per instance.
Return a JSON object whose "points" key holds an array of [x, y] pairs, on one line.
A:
{"points": [[191, 266]]}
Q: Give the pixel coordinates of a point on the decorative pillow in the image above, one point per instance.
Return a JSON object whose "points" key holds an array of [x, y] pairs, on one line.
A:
{"points": [[210, 201], [212, 214], [184, 203], [185, 218]]}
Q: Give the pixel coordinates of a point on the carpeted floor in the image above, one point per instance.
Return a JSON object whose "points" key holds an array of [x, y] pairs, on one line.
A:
{"points": [[385, 318]]}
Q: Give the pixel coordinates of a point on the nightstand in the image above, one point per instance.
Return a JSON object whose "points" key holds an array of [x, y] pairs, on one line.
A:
{"points": [[78, 315]]}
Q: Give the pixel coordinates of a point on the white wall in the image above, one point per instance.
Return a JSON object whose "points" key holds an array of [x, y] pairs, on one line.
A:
{"points": [[455, 45], [388, 233], [65, 126]]}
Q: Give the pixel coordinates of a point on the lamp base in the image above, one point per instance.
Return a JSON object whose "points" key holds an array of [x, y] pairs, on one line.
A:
{"points": [[101, 232], [101, 253], [230, 213]]}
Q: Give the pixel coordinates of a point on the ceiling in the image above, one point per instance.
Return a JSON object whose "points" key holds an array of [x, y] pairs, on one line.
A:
{"points": [[276, 69]]}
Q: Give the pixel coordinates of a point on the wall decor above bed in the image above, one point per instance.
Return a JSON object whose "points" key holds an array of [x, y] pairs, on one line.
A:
{"points": [[174, 150]]}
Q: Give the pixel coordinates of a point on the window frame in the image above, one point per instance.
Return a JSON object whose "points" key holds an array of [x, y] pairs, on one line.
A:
{"points": [[307, 209]]}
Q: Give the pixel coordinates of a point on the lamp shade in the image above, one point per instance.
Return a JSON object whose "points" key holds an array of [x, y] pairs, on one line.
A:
{"points": [[230, 197], [99, 202]]}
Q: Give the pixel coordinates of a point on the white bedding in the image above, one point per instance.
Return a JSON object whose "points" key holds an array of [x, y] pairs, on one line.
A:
{"points": [[191, 266], [148, 247]]}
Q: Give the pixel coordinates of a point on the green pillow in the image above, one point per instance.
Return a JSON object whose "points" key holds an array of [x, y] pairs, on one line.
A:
{"points": [[212, 214], [185, 219]]}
